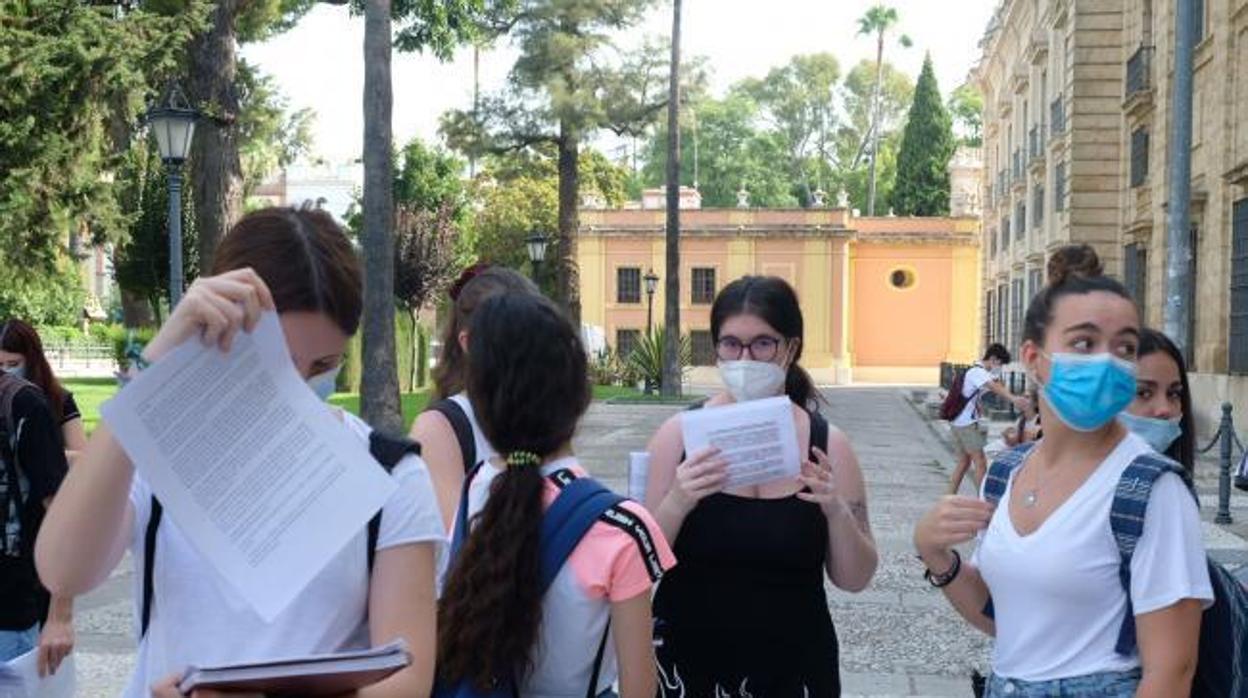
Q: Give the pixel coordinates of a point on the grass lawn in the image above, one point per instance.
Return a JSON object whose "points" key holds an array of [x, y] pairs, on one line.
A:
{"points": [[91, 392]]}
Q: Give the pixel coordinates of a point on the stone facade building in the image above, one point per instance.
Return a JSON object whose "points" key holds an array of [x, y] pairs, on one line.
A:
{"points": [[1077, 98]]}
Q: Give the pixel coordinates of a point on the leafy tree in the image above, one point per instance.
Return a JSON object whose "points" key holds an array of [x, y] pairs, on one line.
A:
{"points": [[429, 179], [74, 79], [733, 152], [141, 263], [425, 264], [270, 135], [922, 187], [853, 138], [966, 107], [44, 298], [878, 22], [798, 102], [561, 91]]}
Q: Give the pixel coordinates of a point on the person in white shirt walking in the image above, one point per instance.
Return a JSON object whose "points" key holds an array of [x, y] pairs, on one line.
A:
{"points": [[968, 430]]}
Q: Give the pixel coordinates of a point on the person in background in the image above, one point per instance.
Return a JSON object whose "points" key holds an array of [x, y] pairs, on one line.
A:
{"points": [[1047, 558], [968, 430], [21, 354], [32, 466], [745, 612], [1161, 412], [450, 437], [300, 264], [527, 379]]}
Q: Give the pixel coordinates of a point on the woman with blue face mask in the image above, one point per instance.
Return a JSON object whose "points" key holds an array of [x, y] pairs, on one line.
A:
{"points": [[1161, 412], [1044, 579]]}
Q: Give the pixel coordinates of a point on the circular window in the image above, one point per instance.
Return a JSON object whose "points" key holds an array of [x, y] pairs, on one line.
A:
{"points": [[902, 278]]}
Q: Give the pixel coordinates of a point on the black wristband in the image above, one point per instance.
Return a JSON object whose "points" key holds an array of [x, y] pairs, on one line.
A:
{"points": [[942, 580]]}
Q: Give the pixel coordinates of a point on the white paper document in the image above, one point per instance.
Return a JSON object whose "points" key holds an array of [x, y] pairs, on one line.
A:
{"points": [[19, 678], [757, 438], [265, 481]]}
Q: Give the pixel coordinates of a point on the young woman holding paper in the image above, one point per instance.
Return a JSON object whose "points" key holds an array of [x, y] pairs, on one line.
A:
{"points": [[1047, 577], [745, 612], [435, 428], [528, 382], [299, 263]]}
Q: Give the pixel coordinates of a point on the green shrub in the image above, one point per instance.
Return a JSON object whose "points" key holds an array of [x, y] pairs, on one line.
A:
{"points": [[645, 363]]}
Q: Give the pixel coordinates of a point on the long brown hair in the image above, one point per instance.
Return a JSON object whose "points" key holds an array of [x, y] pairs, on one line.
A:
{"points": [[473, 288], [528, 384], [304, 258], [18, 337]]}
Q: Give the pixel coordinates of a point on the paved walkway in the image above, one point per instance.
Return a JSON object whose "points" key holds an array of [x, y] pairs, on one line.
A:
{"points": [[898, 638]]}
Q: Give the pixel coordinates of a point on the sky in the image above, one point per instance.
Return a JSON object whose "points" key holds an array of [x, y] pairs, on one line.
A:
{"points": [[319, 63]]}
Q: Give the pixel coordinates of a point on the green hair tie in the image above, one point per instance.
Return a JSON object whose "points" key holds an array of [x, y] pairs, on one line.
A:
{"points": [[522, 458]]}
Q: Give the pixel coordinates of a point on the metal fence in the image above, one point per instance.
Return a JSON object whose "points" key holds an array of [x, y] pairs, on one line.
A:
{"points": [[63, 356], [1230, 445]]}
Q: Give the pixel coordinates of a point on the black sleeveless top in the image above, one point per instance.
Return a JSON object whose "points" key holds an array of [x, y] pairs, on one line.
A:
{"points": [[743, 613]]}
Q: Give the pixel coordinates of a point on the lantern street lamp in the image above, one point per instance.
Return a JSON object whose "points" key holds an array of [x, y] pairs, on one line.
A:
{"points": [[536, 245], [173, 125], [652, 285]]}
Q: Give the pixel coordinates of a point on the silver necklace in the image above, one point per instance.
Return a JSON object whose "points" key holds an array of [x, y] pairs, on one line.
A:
{"points": [[1032, 496]]}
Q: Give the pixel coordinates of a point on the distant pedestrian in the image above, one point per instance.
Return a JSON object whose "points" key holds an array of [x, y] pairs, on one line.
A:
{"points": [[32, 466], [745, 613], [1047, 577], [969, 432], [21, 354], [449, 433]]}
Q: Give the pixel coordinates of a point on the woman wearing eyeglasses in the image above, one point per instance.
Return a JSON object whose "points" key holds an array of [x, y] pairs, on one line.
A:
{"points": [[744, 613]]}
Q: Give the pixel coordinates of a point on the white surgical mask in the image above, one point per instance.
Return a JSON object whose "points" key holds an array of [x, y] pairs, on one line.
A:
{"points": [[18, 371], [323, 383], [752, 380]]}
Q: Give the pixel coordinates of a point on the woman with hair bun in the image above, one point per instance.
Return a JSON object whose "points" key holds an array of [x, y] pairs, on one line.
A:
{"points": [[1071, 613]]}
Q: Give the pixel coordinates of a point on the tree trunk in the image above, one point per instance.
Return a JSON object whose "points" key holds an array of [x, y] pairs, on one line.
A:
{"points": [[567, 285], [379, 383], [414, 373], [136, 311], [216, 171], [875, 121], [671, 383]]}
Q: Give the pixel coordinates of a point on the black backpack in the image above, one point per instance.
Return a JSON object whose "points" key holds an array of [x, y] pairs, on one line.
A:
{"points": [[11, 495], [463, 430], [386, 450]]}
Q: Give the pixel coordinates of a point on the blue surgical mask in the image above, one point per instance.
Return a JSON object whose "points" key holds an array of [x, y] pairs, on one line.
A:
{"points": [[323, 384], [16, 371], [1159, 433], [1087, 391]]}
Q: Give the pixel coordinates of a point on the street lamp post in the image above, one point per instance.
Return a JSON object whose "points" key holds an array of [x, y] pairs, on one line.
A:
{"points": [[652, 285], [173, 125], [536, 245]]}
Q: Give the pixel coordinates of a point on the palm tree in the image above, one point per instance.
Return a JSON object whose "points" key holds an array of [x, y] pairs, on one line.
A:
{"points": [[379, 384], [878, 21], [672, 376]]}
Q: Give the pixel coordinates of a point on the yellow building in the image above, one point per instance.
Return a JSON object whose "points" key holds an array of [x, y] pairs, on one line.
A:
{"points": [[884, 299]]}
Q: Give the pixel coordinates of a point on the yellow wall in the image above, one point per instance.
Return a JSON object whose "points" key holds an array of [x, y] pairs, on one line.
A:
{"points": [[858, 327]]}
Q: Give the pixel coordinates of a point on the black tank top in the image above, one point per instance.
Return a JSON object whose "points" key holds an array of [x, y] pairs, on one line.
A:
{"points": [[744, 612]]}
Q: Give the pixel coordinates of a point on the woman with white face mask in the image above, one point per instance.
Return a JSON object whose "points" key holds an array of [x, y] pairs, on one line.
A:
{"points": [[1161, 412], [744, 612], [1047, 579]]}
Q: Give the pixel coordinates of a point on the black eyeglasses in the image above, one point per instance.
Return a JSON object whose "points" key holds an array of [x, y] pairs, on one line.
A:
{"points": [[762, 348]]}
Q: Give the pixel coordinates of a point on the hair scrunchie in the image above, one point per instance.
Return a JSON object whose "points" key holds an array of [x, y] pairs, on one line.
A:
{"points": [[520, 459]]}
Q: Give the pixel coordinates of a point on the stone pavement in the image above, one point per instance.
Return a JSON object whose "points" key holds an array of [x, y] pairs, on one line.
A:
{"points": [[898, 638]]}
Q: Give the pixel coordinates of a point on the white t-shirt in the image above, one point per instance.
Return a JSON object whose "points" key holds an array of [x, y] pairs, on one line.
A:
{"points": [[485, 451], [976, 378], [1056, 594], [198, 618], [606, 566]]}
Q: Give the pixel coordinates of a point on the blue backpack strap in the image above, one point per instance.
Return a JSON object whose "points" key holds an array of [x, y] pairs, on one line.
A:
{"points": [[996, 481], [1126, 520], [460, 532], [579, 504]]}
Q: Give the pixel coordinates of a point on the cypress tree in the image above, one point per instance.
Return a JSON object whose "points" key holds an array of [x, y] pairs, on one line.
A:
{"points": [[922, 186]]}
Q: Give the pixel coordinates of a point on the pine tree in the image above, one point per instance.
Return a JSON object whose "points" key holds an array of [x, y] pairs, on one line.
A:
{"points": [[922, 186]]}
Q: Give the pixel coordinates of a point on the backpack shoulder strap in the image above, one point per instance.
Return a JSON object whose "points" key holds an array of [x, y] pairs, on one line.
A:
{"points": [[387, 450], [819, 431], [462, 426], [580, 503], [149, 563], [1126, 520], [1002, 467]]}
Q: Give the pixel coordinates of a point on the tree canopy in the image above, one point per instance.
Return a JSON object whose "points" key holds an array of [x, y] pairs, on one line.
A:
{"points": [[922, 187]]}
